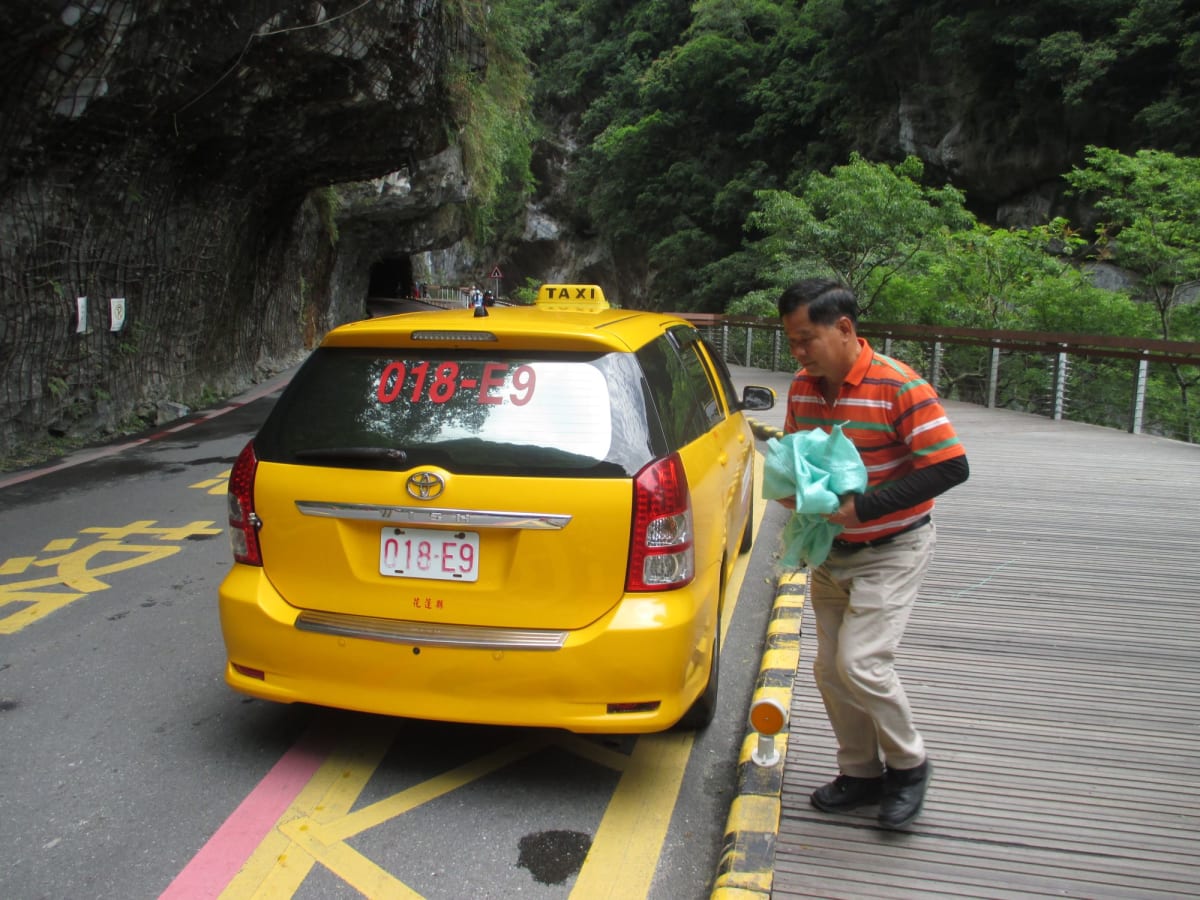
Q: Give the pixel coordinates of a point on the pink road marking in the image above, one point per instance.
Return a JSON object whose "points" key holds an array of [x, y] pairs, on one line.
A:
{"points": [[219, 860]]}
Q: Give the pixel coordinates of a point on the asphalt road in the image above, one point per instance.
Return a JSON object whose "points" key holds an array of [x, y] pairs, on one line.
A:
{"points": [[130, 770]]}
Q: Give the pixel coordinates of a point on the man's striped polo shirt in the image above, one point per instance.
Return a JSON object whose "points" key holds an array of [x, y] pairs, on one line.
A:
{"points": [[894, 418]]}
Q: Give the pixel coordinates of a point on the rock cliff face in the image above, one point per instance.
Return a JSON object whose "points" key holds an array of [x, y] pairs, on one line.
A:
{"points": [[1008, 160], [173, 162], [192, 192]]}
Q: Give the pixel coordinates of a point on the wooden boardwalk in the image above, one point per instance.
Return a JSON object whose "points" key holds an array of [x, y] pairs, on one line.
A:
{"points": [[1053, 664]]}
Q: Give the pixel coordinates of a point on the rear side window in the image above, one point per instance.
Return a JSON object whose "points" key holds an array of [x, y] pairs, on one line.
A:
{"points": [[698, 373], [542, 414], [724, 379], [682, 392]]}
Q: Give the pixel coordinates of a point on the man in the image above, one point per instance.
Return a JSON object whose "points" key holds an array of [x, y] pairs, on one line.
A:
{"points": [[863, 593]]}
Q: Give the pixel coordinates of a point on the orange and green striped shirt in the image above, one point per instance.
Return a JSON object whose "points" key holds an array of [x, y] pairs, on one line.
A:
{"points": [[894, 418]]}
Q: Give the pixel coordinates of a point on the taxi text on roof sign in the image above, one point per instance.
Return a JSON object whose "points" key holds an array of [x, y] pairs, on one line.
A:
{"points": [[571, 297]]}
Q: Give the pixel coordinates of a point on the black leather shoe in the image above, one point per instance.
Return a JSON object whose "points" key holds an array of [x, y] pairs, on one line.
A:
{"points": [[903, 794], [846, 792]]}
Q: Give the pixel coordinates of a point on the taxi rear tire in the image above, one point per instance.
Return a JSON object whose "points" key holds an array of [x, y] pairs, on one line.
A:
{"points": [[701, 713]]}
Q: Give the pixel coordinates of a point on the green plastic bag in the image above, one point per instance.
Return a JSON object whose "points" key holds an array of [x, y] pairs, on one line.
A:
{"points": [[816, 468]]}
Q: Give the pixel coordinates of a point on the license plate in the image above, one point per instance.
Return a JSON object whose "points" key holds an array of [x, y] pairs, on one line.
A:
{"points": [[427, 553]]}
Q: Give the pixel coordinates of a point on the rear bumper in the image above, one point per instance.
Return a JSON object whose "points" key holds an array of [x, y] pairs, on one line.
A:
{"points": [[650, 647]]}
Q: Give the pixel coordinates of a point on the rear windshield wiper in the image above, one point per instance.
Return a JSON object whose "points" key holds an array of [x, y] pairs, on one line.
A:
{"points": [[391, 454]]}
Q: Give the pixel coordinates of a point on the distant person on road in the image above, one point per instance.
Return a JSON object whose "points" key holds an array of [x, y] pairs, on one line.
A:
{"points": [[863, 593], [476, 296]]}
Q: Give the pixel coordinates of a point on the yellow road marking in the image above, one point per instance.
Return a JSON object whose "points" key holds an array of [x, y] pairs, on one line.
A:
{"points": [[42, 605], [405, 801], [76, 567], [217, 485], [318, 825], [600, 755], [624, 853], [280, 864], [366, 877], [628, 842], [16, 565]]}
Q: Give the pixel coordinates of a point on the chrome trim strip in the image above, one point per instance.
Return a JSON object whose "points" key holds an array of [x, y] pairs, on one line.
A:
{"points": [[426, 634], [413, 515]]}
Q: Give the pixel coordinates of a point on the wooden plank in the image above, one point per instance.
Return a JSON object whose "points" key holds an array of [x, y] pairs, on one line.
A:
{"points": [[1053, 663], [931, 854], [979, 865]]}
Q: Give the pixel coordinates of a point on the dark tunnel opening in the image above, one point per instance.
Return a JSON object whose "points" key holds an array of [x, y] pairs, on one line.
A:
{"points": [[391, 278]]}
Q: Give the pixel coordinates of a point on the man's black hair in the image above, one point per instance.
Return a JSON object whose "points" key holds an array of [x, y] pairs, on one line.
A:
{"points": [[827, 300]]}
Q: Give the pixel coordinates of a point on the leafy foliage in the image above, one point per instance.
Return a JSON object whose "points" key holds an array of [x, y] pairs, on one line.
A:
{"points": [[685, 110], [1151, 199], [494, 103], [861, 224], [727, 147]]}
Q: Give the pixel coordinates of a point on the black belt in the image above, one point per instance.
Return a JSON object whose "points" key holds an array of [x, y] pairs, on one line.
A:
{"points": [[855, 546]]}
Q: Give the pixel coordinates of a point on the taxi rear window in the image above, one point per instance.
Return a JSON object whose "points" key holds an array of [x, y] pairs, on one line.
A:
{"points": [[470, 412]]}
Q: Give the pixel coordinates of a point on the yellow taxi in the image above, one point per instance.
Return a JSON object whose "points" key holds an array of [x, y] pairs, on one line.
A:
{"points": [[505, 515]]}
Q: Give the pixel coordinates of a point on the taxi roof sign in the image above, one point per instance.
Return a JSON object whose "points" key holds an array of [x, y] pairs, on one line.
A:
{"points": [[571, 298]]}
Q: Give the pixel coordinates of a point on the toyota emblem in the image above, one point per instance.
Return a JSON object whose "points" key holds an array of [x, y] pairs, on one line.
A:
{"points": [[425, 486]]}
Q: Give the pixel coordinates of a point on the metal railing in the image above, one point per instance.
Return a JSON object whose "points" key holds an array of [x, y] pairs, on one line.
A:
{"points": [[1099, 379]]}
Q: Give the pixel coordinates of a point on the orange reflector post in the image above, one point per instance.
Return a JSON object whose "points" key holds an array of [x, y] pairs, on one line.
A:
{"points": [[768, 718]]}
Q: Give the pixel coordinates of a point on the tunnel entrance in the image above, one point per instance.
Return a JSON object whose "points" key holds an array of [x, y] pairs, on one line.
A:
{"points": [[391, 277]]}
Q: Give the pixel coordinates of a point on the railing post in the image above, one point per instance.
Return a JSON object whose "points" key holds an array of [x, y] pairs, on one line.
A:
{"points": [[1060, 385], [1039, 344], [993, 377], [1139, 396]]}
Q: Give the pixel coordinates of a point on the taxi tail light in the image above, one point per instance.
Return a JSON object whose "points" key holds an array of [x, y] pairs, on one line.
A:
{"points": [[243, 522], [661, 552]]}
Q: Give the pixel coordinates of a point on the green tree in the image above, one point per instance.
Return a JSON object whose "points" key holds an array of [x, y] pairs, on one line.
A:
{"points": [[1006, 278], [663, 173], [1137, 60], [685, 108], [1022, 279], [861, 224], [1150, 200]]}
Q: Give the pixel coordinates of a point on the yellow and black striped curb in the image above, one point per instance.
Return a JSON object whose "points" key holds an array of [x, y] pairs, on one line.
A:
{"points": [[761, 431], [748, 853]]}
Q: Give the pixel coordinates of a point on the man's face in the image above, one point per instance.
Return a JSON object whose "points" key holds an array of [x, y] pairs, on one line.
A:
{"points": [[822, 350]]}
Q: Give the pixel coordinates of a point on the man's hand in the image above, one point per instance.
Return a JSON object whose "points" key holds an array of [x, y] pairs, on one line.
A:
{"points": [[846, 515]]}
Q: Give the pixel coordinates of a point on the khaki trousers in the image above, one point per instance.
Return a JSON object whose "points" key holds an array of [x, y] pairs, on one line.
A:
{"points": [[861, 602]]}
